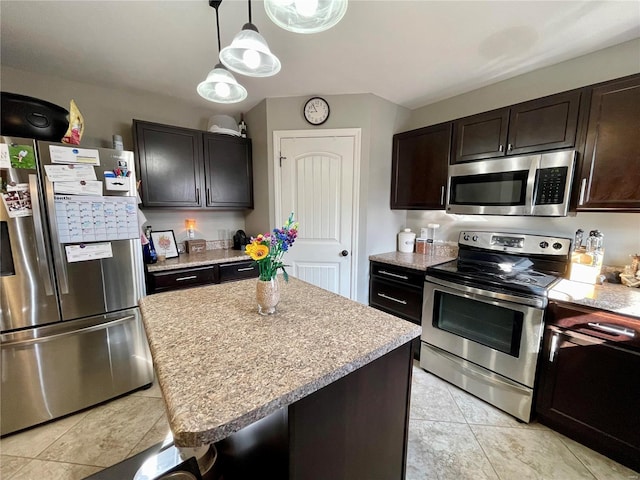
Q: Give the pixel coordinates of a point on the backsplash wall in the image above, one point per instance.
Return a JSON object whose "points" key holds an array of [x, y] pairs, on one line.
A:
{"points": [[621, 230]]}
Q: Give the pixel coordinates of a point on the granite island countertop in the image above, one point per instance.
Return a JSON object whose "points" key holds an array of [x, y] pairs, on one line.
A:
{"points": [[221, 366], [208, 257]]}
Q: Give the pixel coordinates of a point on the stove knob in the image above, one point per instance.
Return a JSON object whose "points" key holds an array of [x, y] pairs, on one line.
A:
{"points": [[557, 245], [466, 237], [544, 244], [475, 238]]}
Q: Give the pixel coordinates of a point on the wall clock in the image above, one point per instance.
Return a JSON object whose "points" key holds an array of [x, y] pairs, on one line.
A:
{"points": [[316, 111]]}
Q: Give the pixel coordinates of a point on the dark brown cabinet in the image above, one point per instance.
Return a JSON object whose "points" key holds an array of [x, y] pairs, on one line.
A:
{"points": [[181, 278], [610, 174], [165, 280], [228, 171], [169, 165], [398, 291], [186, 168], [588, 388], [547, 123], [419, 168], [238, 271]]}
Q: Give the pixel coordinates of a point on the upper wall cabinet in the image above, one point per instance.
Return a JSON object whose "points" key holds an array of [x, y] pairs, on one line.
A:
{"points": [[610, 173], [546, 123], [228, 171], [186, 168], [419, 168]]}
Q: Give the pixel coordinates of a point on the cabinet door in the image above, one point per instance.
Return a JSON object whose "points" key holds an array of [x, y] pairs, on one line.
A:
{"points": [[610, 174], [228, 171], [480, 136], [587, 386], [169, 165], [419, 168], [547, 123]]}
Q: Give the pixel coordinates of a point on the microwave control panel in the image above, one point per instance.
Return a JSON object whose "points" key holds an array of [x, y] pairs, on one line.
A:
{"points": [[550, 185]]}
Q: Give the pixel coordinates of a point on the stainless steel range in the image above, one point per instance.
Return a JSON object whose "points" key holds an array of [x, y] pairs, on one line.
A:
{"points": [[483, 314]]}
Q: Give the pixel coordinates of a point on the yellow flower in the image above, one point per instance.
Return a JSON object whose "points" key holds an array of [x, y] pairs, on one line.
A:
{"points": [[256, 251]]}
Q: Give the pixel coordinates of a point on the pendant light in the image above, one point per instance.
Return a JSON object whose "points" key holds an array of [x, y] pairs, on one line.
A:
{"points": [[220, 86], [305, 16], [249, 53]]}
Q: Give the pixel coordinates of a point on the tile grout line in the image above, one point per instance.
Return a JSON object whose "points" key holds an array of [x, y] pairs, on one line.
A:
{"points": [[559, 437]]}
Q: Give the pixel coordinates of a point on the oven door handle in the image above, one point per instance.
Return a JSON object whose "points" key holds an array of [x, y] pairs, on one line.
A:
{"points": [[468, 368], [480, 293]]}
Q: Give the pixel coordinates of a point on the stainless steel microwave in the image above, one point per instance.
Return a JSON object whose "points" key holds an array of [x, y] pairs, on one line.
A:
{"points": [[532, 185]]}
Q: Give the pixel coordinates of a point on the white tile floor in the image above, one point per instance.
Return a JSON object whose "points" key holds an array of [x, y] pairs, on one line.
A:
{"points": [[452, 435]]}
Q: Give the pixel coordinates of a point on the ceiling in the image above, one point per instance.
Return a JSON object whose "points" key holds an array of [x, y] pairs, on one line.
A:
{"points": [[411, 53]]}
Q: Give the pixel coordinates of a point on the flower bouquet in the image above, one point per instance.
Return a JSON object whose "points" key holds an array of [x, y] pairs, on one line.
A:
{"points": [[267, 251]]}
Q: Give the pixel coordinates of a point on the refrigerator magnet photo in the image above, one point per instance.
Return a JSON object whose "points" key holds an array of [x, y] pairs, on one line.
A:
{"points": [[20, 156], [17, 200]]}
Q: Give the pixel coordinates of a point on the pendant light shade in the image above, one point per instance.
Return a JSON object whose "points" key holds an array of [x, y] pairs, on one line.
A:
{"points": [[249, 53], [220, 86], [305, 16]]}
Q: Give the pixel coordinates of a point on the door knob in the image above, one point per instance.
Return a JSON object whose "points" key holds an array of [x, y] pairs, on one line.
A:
{"points": [[344, 253]]}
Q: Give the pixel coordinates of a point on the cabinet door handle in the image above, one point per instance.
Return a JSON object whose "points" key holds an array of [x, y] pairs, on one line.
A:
{"points": [[190, 277], [442, 195], [403, 302], [554, 347], [245, 269], [509, 147], [197, 195], [501, 148], [403, 277], [208, 196], [583, 187], [609, 328]]}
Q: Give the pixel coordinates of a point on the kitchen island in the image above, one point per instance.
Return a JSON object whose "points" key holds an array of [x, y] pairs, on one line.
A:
{"points": [[323, 385]]}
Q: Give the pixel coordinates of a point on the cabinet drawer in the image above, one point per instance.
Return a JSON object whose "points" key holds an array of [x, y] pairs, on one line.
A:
{"points": [[396, 298], [185, 277], [238, 271], [398, 274]]}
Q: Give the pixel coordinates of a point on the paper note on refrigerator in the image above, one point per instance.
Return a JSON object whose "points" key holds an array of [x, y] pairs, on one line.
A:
{"points": [[17, 200], [69, 173], [5, 162], [87, 156], [89, 251], [83, 187]]}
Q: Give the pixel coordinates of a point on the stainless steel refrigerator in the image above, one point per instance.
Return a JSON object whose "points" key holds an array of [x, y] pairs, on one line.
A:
{"points": [[70, 279]]}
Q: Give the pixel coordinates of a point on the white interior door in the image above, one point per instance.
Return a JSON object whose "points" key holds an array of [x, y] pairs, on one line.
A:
{"points": [[317, 179]]}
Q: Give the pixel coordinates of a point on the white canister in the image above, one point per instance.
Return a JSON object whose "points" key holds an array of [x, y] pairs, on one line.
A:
{"points": [[406, 241]]}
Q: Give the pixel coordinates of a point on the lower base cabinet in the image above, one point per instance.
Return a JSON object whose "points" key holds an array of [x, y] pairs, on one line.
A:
{"points": [[398, 291], [589, 381], [165, 280], [354, 428]]}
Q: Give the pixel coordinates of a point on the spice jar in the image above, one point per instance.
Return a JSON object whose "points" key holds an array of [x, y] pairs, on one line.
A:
{"points": [[421, 246]]}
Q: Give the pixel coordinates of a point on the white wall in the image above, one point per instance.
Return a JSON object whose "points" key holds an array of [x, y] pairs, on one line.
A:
{"points": [[108, 111], [621, 230]]}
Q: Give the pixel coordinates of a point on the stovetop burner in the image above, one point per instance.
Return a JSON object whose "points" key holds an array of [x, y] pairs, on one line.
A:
{"points": [[521, 263]]}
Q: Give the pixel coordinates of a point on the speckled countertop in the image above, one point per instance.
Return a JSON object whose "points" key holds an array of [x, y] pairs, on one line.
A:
{"points": [[610, 296], [416, 261], [196, 259], [221, 366]]}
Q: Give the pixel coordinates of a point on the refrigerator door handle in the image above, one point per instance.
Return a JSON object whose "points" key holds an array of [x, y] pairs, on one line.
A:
{"points": [[43, 264], [58, 249]]}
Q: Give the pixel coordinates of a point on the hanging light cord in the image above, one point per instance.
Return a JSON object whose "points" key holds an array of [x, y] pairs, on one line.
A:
{"points": [[249, 2], [215, 4]]}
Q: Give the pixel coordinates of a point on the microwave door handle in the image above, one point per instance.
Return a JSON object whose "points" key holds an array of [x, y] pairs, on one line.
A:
{"points": [[531, 184], [43, 263]]}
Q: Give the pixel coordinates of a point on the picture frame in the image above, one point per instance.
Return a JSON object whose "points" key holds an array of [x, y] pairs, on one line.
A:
{"points": [[165, 243]]}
